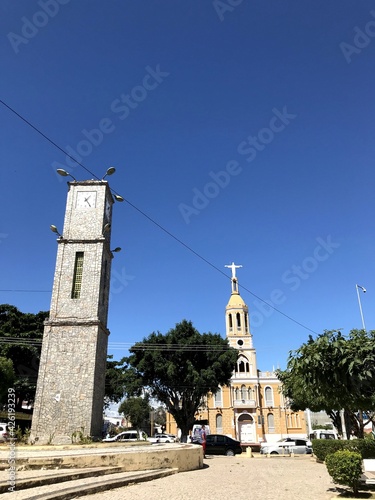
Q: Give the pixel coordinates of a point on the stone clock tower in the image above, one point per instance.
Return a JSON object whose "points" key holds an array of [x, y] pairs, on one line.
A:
{"points": [[71, 380]]}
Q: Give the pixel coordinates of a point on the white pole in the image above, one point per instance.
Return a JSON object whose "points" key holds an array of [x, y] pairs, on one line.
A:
{"points": [[343, 426], [309, 422], [359, 303]]}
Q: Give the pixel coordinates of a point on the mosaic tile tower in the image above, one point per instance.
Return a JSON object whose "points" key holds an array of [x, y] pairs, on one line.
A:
{"points": [[71, 380]]}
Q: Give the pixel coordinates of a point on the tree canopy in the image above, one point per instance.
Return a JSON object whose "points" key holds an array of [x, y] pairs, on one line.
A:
{"points": [[333, 373], [115, 379], [179, 369], [7, 377], [21, 337], [136, 410], [21, 341]]}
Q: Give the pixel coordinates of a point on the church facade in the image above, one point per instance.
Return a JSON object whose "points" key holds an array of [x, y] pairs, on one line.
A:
{"points": [[252, 408]]}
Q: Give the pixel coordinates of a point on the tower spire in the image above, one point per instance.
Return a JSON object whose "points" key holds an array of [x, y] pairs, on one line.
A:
{"points": [[234, 278]]}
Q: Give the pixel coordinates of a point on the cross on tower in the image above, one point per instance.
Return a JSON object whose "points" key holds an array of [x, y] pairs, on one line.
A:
{"points": [[233, 267], [234, 279]]}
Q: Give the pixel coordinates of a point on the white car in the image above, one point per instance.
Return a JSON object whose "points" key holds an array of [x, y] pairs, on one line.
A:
{"points": [[162, 438], [4, 435], [126, 436], [286, 446]]}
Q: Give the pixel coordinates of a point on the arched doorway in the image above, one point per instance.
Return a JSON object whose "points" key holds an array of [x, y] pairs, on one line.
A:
{"points": [[246, 428]]}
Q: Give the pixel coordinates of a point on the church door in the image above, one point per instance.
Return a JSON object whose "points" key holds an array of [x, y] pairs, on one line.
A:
{"points": [[246, 428]]}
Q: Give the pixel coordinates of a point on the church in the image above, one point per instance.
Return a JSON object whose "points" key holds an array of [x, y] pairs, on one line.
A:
{"points": [[251, 409]]}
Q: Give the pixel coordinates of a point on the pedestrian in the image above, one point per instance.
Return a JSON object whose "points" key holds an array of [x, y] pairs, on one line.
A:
{"points": [[202, 439], [196, 436]]}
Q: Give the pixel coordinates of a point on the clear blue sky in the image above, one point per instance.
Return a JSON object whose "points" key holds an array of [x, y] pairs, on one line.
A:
{"points": [[247, 132]]}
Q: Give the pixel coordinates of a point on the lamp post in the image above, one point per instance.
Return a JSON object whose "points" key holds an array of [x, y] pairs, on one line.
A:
{"points": [[359, 303]]}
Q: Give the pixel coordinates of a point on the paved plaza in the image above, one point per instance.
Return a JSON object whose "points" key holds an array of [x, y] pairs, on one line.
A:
{"points": [[240, 477]]}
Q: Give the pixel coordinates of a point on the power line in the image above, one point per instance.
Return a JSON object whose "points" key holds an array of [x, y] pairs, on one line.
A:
{"points": [[153, 221]]}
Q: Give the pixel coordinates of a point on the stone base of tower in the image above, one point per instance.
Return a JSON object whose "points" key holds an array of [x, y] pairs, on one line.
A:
{"points": [[71, 383]]}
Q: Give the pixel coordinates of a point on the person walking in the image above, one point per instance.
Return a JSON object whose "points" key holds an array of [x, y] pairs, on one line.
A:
{"points": [[202, 439]]}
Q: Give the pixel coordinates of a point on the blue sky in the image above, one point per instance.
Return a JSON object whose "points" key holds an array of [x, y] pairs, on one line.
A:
{"points": [[243, 129]]}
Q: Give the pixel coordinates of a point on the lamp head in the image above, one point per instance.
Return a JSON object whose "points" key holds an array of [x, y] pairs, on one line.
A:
{"points": [[107, 227], [64, 173], [110, 171], [117, 249], [117, 197], [54, 229]]}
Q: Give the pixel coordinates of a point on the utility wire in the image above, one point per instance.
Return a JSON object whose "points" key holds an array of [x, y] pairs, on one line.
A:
{"points": [[153, 221]]}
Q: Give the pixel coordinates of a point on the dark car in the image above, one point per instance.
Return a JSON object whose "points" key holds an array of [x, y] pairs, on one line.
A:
{"points": [[218, 444]]}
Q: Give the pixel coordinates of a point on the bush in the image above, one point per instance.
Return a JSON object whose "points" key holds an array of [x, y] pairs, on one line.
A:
{"points": [[345, 467], [366, 447], [322, 447], [22, 436]]}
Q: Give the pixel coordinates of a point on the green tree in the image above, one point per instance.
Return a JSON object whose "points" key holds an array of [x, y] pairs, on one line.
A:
{"points": [[21, 336], [160, 416], [7, 376], [137, 411], [20, 341], [179, 369], [115, 379], [331, 373]]}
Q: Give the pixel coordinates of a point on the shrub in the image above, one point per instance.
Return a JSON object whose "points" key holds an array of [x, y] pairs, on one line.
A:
{"points": [[323, 447], [22, 436], [345, 467]]}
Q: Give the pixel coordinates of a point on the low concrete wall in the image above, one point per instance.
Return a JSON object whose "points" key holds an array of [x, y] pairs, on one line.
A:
{"points": [[184, 457]]}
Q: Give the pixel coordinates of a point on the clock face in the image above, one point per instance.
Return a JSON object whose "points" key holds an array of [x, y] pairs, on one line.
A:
{"points": [[86, 199]]}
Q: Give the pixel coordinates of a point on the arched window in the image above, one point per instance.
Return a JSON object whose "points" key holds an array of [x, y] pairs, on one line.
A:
{"points": [[218, 398], [271, 422], [238, 316], [246, 326], [237, 393], [230, 321], [242, 365], [219, 423], [268, 396]]}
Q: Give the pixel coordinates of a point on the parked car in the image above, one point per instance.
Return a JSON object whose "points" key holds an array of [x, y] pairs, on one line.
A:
{"points": [[127, 436], [323, 434], [218, 444], [286, 446], [162, 438], [4, 436]]}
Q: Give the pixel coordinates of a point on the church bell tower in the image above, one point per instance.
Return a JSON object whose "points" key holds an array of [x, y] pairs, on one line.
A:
{"points": [[71, 380]]}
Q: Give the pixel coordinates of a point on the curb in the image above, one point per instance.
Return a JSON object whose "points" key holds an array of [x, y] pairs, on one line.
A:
{"points": [[82, 489], [34, 482]]}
